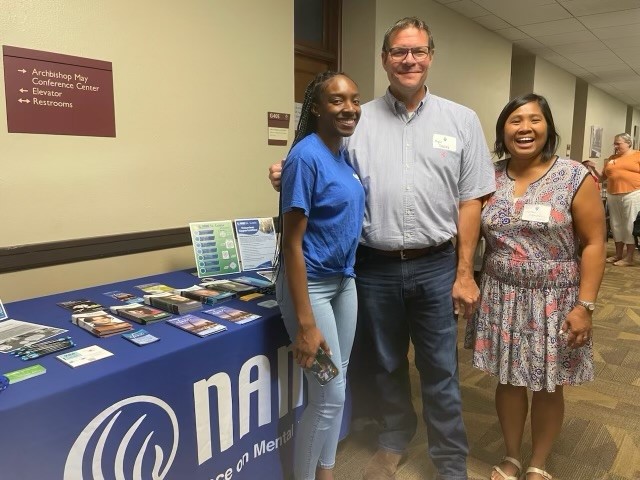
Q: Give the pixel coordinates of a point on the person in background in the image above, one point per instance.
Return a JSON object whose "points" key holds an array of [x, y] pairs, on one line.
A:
{"points": [[533, 327], [322, 207], [425, 166], [622, 174]]}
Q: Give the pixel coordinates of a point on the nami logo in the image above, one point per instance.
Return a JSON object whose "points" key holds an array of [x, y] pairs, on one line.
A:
{"points": [[116, 433]]}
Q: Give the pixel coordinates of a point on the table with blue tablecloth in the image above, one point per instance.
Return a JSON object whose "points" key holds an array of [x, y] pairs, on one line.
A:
{"points": [[183, 408]]}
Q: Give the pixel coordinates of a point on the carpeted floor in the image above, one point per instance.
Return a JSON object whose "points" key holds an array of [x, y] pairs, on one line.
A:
{"points": [[600, 439]]}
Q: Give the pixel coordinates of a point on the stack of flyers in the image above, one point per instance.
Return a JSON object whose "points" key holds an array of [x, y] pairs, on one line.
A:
{"points": [[232, 315], [196, 325], [81, 306]]}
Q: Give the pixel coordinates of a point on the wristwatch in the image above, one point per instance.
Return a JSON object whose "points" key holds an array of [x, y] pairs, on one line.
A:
{"points": [[590, 306]]}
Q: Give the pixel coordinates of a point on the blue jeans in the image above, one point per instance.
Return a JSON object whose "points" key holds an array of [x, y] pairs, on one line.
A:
{"points": [[411, 300], [335, 305]]}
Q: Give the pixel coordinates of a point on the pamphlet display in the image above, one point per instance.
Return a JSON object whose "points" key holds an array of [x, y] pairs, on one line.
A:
{"points": [[257, 242], [15, 334], [214, 247]]}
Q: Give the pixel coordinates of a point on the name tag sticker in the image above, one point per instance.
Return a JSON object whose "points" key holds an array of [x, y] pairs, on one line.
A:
{"points": [[444, 142], [536, 213]]}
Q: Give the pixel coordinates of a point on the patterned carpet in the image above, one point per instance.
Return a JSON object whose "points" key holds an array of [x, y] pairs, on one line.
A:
{"points": [[600, 439]]}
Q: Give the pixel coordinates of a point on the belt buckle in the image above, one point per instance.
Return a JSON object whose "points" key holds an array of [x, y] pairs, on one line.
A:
{"points": [[402, 255]]}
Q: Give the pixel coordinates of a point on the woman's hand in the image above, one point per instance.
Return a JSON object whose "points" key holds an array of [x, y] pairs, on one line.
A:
{"points": [[578, 326], [306, 345]]}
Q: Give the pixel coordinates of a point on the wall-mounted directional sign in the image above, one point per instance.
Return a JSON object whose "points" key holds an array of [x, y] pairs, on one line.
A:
{"points": [[57, 94]]}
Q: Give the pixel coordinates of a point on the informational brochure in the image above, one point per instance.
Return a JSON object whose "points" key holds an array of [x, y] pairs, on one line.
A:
{"points": [[214, 247], [15, 334], [257, 242], [232, 315], [124, 297], [84, 355]]}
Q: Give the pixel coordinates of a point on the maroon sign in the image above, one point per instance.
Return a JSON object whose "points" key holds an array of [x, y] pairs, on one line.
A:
{"points": [[278, 128], [57, 94]]}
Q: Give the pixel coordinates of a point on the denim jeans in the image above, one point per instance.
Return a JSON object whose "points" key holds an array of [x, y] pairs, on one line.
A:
{"points": [[334, 303], [402, 300]]}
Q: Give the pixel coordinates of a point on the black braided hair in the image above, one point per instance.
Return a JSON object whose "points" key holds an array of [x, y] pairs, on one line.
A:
{"points": [[307, 123], [306, 126]]}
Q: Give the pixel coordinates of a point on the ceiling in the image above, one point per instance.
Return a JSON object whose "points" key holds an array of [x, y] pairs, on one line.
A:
{"points": [[596, 40]]}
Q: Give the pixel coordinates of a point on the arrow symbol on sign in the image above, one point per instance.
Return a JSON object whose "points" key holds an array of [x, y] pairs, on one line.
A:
{"points": [[22, 90], [23, 71], [23, 100]]}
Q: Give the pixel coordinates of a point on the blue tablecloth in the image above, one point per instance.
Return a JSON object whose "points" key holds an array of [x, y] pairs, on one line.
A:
{"points": [[183, 408]]}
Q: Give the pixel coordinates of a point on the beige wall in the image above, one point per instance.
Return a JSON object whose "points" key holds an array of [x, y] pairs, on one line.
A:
{"points": [[360, 50], [471, 65], [193, 83], [607, 112], [559, 88]]}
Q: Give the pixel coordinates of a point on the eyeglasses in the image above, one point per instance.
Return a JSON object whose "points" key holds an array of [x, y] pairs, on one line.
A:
{"points": [[398, 54]]}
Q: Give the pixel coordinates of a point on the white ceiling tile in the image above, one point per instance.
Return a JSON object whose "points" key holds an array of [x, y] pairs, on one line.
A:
{"points": [[615, 43], [614, 20], [629, 55], [517, 15], [610, 33], [468, 8], [543, 52], [598, 70], [566, 38], [512, 33], [497, 6], [592, 7], [528, 43], [492, 22], [555, 27], [582, 47], [594, 59]]}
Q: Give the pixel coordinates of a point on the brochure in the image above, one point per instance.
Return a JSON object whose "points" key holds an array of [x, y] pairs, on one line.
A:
{"points": [[268, 304], [196, 325], [84, 355], [214, 248], [3, 312], [232, 315], [153, 288], [123, 296], [15, 334], [81, 306], [256, 241], [140, 337], [25, 373]]}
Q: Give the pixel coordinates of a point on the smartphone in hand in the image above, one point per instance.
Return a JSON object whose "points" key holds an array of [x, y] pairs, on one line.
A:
{"points": [[323, 367]]}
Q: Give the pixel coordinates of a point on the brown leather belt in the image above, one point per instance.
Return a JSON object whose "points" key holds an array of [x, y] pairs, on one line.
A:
{"points": [[409, 254]]}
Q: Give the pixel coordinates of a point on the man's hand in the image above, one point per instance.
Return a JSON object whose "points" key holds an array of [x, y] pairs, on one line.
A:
{"points": [[466, 296], [275, 174]]}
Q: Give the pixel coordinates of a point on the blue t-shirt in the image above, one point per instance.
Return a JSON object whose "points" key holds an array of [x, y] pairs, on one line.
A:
{"points": [[329, 192]]}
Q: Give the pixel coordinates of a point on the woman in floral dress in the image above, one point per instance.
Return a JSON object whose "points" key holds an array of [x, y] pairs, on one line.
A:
{"points": [[532, 329]]}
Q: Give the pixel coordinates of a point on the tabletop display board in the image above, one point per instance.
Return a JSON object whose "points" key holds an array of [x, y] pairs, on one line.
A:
{"points": [[184, 407]]}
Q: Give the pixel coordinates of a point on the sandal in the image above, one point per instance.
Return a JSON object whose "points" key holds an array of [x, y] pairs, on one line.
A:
{"points": [[623, 263], [513, 462], [612, 259], [545, 475]]}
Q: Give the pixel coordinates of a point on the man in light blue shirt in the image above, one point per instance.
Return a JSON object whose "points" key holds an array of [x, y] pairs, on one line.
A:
{"points": [[425, 167]]}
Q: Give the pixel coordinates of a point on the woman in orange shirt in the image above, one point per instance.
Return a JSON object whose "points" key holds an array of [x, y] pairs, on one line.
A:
{"points": [[622, 172]]}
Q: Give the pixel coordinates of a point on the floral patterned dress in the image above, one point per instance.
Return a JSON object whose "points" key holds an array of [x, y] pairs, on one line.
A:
{"points": [[529, 284]]}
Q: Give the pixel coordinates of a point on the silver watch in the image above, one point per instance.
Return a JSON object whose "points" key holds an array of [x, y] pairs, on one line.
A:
{"points": [[590, 306]]}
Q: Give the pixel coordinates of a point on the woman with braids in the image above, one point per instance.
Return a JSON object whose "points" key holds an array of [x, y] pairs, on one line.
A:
{"points": [[322, 208]]}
